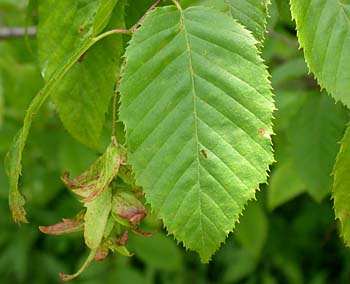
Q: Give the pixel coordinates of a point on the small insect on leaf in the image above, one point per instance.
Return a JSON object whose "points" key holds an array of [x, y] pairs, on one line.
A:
{"points": [[204, 154]]}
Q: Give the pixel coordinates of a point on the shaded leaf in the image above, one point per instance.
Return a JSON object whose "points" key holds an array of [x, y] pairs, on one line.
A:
{"points": [[195, 99], [82, 99], [318, 127]]}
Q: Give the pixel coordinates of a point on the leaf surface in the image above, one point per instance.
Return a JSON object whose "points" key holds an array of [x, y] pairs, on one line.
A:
{"points": [[324, 34], [197, 107], [341, 186]]}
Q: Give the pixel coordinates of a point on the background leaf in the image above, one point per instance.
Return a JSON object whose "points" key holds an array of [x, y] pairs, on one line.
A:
{"points": [[318, 127], [198, 161]]}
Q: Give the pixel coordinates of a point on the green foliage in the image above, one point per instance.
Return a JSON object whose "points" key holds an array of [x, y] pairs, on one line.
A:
{"points": [[158, 119], [206, 169]]}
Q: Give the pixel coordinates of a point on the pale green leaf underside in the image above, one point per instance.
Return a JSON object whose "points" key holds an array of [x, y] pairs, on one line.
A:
{"points": [[341, 186], [324, 34], [194, 98], [252, 14]]}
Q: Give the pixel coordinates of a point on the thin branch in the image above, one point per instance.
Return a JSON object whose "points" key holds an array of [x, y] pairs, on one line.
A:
{"points": [[284, 39], [134, 27], [16, 32]]}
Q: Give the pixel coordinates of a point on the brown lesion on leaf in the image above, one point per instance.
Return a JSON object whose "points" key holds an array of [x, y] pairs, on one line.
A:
{"points": [[345, 214], [263, 133]]}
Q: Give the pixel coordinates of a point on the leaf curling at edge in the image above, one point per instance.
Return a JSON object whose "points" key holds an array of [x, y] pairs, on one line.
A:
{"points": [[89, 259], [182, 50], [67, 226], [96, 179]]}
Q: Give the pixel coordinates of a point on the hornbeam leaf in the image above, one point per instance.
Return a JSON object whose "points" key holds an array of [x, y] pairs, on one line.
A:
{"points": [[324, 34], [341, 186], [252, 14], [197, 107]]}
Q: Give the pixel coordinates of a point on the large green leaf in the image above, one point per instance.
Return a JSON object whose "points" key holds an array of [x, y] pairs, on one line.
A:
{"points": [[324, 34], [318, 127], [83, 97], [252, 14], [197, 107], [341, 186]]}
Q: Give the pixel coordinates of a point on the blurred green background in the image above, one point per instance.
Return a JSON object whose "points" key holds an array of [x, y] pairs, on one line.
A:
{"points": [[287, 236]]}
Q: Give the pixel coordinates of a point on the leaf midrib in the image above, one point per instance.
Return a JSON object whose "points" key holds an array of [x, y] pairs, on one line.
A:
{"points": [[195, 117]]}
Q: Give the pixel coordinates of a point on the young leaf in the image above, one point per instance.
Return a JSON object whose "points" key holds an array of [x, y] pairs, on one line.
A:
{"points": [[341, 186], [252, 14], [83, 96], [318, 127], [67, 226], [195, 101], [97, 178], [96, 217], [323, 32]]}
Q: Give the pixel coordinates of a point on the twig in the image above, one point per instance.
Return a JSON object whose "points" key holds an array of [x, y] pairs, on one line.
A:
{"points": [[283, 38], [134, 27], [16, 32]]}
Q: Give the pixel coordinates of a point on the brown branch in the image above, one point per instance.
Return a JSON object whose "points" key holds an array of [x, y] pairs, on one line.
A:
{"points": [[16, 32], [284, 39]]}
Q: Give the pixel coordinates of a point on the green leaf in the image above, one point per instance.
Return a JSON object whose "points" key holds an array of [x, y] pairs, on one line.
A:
{"points": [[341, 186], [103, 15], [197, 107], [323, 32], [284, 184], [83, 97], [318, 127], [252, 14], [96, 217]]}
